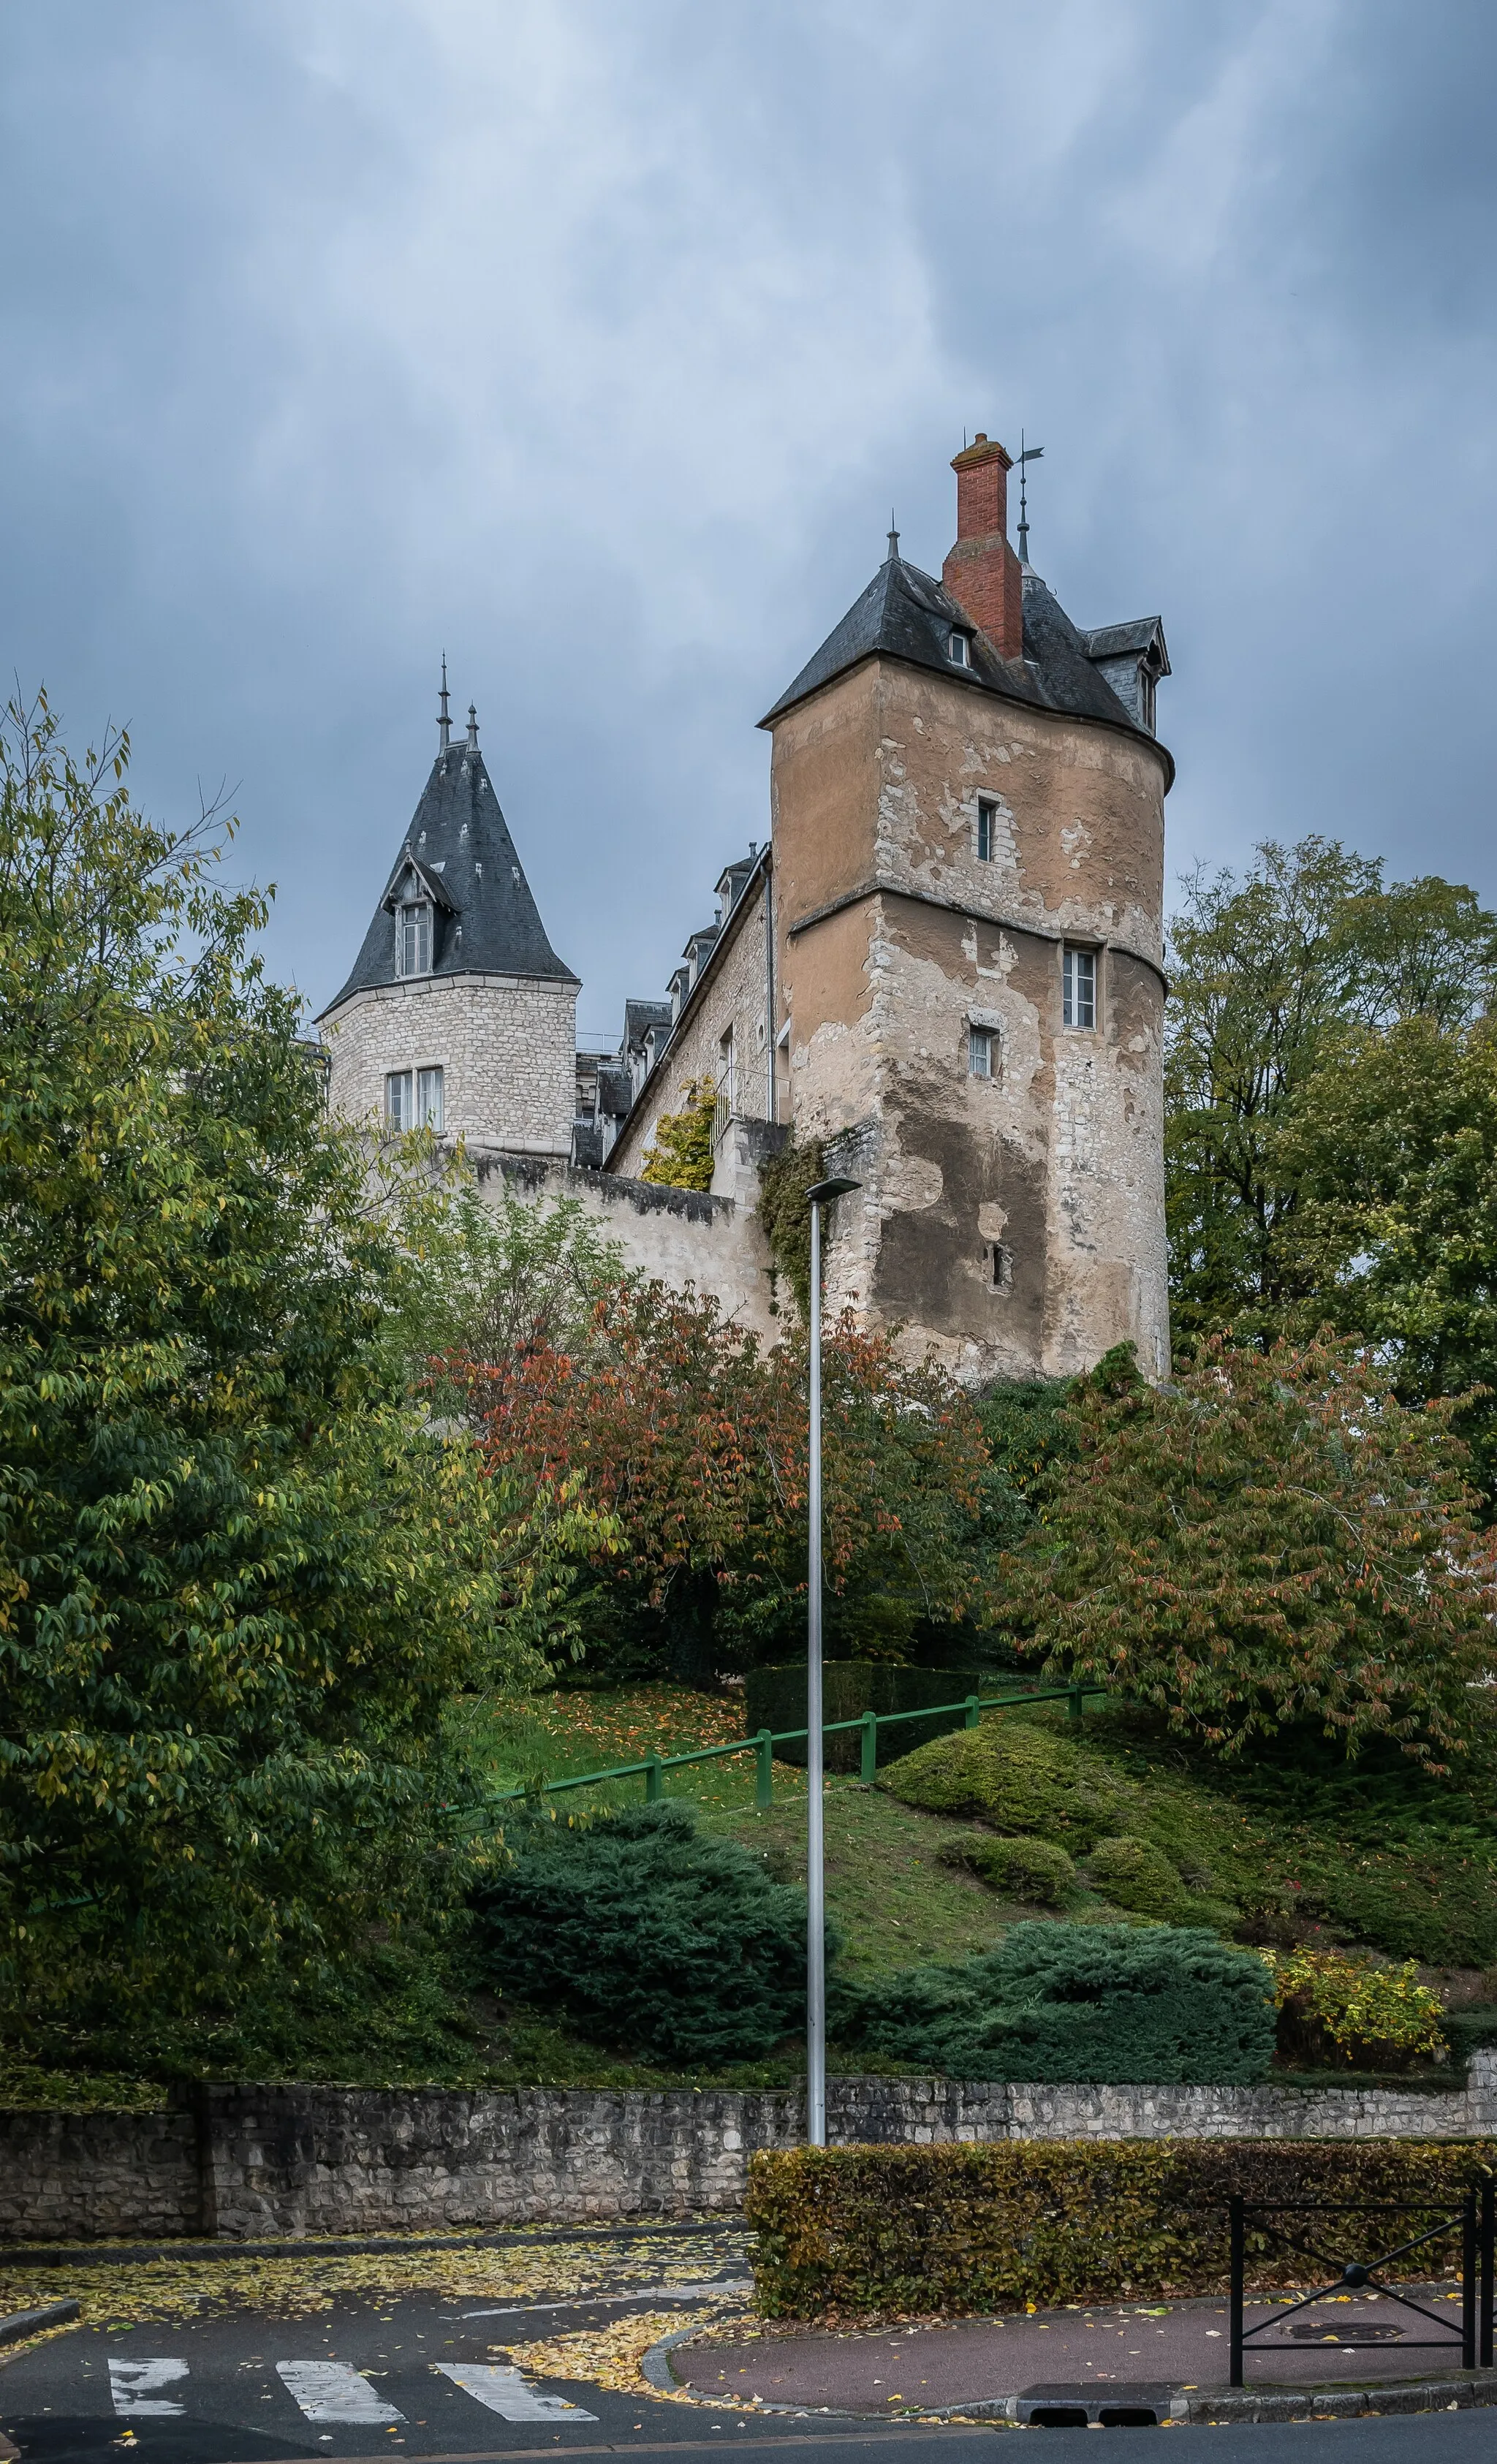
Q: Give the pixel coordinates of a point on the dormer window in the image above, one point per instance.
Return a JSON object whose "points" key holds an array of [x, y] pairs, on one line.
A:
{"points": [[958, 647], [414, 937]]}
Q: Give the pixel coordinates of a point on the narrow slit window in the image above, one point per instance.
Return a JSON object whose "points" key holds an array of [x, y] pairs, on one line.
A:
{"points": [[1078, 986], [398, 1113], [987, 829], [428, 1100], [979, 1052]]}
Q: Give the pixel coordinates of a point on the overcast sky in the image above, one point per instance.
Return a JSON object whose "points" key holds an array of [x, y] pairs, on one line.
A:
{"points": [[593, 343]]}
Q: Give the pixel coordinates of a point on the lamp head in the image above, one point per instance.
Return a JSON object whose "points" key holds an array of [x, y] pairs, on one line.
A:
{"points": [[825, 1188]]}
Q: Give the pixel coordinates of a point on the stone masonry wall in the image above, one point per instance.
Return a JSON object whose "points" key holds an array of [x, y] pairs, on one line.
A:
{"points": [[95, 2176], [506, 1046], [254, 2162], [683, 1236]]}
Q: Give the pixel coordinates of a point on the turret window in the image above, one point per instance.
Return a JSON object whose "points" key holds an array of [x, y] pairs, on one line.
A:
{"points": [[1078, 986], [987, 829], [413, 938], [398, 1115], [428, 1100]]}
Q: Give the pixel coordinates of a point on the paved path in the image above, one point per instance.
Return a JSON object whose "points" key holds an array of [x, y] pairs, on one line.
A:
{"points": [[1179, 2345]]}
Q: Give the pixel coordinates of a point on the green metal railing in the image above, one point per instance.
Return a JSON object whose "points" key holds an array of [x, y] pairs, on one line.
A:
{"points": [[762, 1746]]}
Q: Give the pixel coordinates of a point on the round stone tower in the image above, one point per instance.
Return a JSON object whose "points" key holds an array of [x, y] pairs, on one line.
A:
{"points": [[458, 1015]]}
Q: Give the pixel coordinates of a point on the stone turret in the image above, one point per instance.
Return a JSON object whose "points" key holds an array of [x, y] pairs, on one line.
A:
{"points": [[458, 1014]]}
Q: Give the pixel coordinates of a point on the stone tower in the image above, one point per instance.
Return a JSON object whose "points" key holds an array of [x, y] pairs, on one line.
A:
{"points": [[968, 861], [458, 1015]]}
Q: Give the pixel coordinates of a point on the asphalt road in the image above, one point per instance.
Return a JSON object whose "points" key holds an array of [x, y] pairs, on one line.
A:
{"points": [[426, 2378]]}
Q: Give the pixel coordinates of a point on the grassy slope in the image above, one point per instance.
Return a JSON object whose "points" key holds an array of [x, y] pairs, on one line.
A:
{"points": [[1407, 1869]]}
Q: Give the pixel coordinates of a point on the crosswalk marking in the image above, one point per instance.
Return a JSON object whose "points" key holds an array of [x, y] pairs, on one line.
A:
{"points": [[134, 2386], [334, 2391], [505, 2392]]}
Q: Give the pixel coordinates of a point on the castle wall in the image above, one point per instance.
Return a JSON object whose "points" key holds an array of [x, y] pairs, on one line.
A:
{"points": [[681, 1235], [1015, 1222], [730, 997], [506, 1046]]}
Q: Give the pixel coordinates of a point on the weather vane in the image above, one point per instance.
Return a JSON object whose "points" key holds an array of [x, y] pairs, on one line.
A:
{"points": [[1026, 454]]}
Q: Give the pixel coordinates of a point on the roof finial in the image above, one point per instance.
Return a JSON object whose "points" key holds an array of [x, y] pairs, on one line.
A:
{"points": [[472, 729], [894, 537], [1026, 454], [444, 724]]}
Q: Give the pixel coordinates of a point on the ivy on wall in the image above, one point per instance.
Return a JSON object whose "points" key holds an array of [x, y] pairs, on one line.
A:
{"points": [[681, 1156], [786, 1213]]}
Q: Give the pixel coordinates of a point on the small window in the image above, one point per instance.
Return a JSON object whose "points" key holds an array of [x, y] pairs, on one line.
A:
{"points": [[413, 938], [960, 649], [428, 1100], [979, 1052], [987, 829], [398, 1113], [1000, 1267], [1078, 986]]}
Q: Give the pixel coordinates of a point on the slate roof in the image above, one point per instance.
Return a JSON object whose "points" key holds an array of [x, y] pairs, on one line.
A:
{"points": [[907, 614], [485, 920], [1115, 641]]}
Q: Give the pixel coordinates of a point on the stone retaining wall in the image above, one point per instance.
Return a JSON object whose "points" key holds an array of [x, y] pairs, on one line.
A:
{"points": [[252, 2163]]}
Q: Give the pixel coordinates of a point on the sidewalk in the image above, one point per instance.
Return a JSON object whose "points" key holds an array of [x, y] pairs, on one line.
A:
{"points": [[1355, 2338]]}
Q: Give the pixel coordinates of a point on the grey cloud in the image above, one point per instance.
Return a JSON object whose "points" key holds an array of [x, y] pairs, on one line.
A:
{"points": [[592, 345]]}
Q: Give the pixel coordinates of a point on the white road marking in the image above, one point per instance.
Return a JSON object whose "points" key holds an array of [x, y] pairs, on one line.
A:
{"points": [[334, 2391], [504, 2391], [134, 2386]]}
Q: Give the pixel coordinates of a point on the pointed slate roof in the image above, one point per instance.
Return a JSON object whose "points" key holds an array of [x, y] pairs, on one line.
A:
{"points": [[460, 852], [907, 614]]}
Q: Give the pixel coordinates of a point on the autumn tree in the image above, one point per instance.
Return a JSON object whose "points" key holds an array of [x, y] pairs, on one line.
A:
{"points": [[693, 1438], [1274, 1541]]}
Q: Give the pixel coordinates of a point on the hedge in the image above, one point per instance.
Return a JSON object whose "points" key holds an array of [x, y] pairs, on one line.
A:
{"points": [[860, 2232]]}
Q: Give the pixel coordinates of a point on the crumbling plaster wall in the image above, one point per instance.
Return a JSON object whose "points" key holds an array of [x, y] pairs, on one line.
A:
{"points": [[681, 1235], [1015, 1223], [506, 1047], [730, 996]]}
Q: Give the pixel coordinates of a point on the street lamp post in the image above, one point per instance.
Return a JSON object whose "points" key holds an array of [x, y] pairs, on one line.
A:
{"points": [[815, 1842]]}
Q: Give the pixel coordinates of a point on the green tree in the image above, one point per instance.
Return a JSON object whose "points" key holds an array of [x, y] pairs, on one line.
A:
{"points": [[239, 1574], [1394, 1154], [1274, 1541], [1274, 978]]}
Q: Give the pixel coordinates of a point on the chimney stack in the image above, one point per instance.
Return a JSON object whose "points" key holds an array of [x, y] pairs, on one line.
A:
{"points": [[982, 572]]}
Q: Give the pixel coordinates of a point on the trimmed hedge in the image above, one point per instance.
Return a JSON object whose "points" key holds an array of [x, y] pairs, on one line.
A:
{"points": [[861, 2233]]}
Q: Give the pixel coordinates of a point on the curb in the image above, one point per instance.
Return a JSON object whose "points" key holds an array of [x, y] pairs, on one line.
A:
{"points": [[29, 2323]]}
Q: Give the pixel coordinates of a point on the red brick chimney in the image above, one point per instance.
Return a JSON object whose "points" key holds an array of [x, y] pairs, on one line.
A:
{"points": [[982, 572]]}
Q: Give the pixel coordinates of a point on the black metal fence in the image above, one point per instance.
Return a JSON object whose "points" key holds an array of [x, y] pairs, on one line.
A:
{"points": [[1471, 2228]]}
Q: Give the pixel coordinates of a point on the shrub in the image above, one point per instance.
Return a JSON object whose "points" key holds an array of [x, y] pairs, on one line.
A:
{"points": [[902, 2232], [1136, 1875], [1151, 2004], [1018, 1776], [682, 1153], [1022, 1869], [647, 1935], [1335, 2008]]}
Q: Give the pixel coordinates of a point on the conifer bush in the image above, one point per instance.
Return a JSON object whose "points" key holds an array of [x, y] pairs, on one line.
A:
{"points": [[1139, 2005], [1020, 1777], [646, 1934]]}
